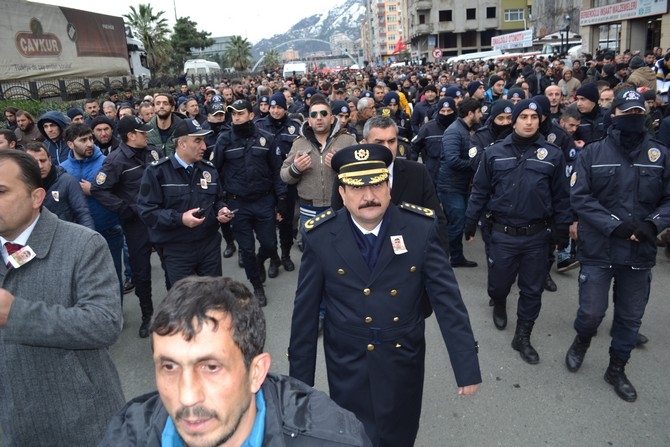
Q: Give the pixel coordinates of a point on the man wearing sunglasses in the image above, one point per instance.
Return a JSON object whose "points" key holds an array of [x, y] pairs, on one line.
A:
{"points": [[308, 162]]}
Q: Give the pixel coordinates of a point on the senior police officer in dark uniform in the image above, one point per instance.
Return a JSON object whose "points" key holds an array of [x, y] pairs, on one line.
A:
{"points": [[521, 182], [620, 190], [116, 187], [285, 131], [249, 161], [181, 202], [371, 262]]}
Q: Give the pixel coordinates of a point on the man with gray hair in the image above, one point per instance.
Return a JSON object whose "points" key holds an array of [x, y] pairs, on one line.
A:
{"points": [[366, 110]]}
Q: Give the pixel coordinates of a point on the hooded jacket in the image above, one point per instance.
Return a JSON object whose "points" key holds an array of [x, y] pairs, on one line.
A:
{"points": [[57, 149], [296, 415], [87, 169]]}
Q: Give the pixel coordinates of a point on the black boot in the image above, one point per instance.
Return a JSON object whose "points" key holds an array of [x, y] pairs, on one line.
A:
{"points": [[616, 377], [261, 268], [259, 293], [499, 315], [230, 250], [273, 270], [576, 353], [549, 284], [286, 262], [144, 327], [521, 342]]}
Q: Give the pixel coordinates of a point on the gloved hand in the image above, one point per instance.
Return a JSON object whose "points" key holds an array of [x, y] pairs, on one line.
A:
{"points": [[560, 236], [470, 229], [625, 230], [646, 231], [282, 206]]}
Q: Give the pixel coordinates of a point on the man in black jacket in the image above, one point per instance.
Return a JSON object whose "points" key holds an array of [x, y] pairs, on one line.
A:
{"points": [[213, 382]]}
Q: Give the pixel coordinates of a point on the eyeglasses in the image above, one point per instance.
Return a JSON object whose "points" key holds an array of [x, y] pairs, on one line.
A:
{"points": [[314, 114]]}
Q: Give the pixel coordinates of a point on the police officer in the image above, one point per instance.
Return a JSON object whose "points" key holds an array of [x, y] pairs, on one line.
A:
{"points": [[181, 202], [520, 181], [428, 142], [285, 131], [620, 190], [116, 187], [371, 262], [216, 122], [248, 161], [391, 102]]}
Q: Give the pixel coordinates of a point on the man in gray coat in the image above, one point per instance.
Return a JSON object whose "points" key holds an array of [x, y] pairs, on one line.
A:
{"points": [[60, 309]]}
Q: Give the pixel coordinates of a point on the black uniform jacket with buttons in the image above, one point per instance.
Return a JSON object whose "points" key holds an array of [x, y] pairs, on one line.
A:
{"points": [[167, 191], [374, 328], [118, 182], [611, 185]]}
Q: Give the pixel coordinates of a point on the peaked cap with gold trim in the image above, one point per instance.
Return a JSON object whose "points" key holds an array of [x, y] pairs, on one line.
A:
{"points": [[362, 164]]}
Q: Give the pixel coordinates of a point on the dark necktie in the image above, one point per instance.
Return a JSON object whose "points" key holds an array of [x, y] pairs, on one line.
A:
{"points": [[370, 255], [189, 170], [11, 249]]}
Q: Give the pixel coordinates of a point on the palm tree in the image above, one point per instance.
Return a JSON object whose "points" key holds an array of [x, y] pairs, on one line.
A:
{"points": [[238, 52], [271, 59], [152, 30]]}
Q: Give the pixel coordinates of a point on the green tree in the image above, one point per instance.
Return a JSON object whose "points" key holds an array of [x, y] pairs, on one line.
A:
{"points": [[271, 60], [238, 53], [152, 30], [185, 38]]}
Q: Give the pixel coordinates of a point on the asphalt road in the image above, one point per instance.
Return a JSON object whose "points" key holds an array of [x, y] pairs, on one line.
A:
{"points": [[518, 404]]}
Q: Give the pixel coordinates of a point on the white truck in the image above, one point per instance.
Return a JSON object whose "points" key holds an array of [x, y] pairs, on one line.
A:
{"points": [[44, 42]]}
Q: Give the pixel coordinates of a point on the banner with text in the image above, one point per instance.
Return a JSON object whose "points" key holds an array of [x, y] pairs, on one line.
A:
{"points": [[520, 39], [622, 11]]}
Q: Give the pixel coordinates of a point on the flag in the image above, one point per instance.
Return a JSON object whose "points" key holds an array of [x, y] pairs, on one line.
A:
{"points": [[316, 67], [400, 46]]}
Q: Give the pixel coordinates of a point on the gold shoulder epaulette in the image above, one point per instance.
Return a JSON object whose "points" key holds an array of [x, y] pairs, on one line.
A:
{"points": [[318, 220], [427, 212]]}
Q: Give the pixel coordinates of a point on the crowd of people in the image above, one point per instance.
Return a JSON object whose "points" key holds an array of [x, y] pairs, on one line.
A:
{"points": [[378, 176]]}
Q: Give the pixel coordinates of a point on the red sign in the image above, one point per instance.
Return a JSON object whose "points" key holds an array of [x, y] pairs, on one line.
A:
{"points": [[35, 43]]}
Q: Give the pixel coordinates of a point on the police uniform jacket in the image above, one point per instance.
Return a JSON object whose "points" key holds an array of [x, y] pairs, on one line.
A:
{"points": [[117, 184], [483, 138], [285, 132], [560, 137], [167, 191], [612, 185], [428, 143], [374, 330], [455, 172], [402, 120], [521, 187], [249, 166], [423, 112], [591, 126]]}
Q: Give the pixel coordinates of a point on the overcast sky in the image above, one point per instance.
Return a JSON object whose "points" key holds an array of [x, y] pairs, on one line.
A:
{"points": [[253, 19]]}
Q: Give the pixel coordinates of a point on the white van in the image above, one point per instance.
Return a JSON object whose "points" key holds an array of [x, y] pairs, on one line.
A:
{"points": [[294, 68], [196, 68], [478, 56]]}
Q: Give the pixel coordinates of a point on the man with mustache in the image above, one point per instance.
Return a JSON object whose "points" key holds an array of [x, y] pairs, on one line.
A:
{"points": [[181, 202], [214, 384], [374, 328]]}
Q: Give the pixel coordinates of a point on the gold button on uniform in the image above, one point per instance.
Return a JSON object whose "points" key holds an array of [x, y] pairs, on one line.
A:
{"points": [[340, 271], [366, 291], [396, 319], [368, 319], [394, 292], [371, 347], [412, 269]]}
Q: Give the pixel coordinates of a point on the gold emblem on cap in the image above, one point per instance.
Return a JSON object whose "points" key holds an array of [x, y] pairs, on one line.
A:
{"points": [[362, 154]]}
